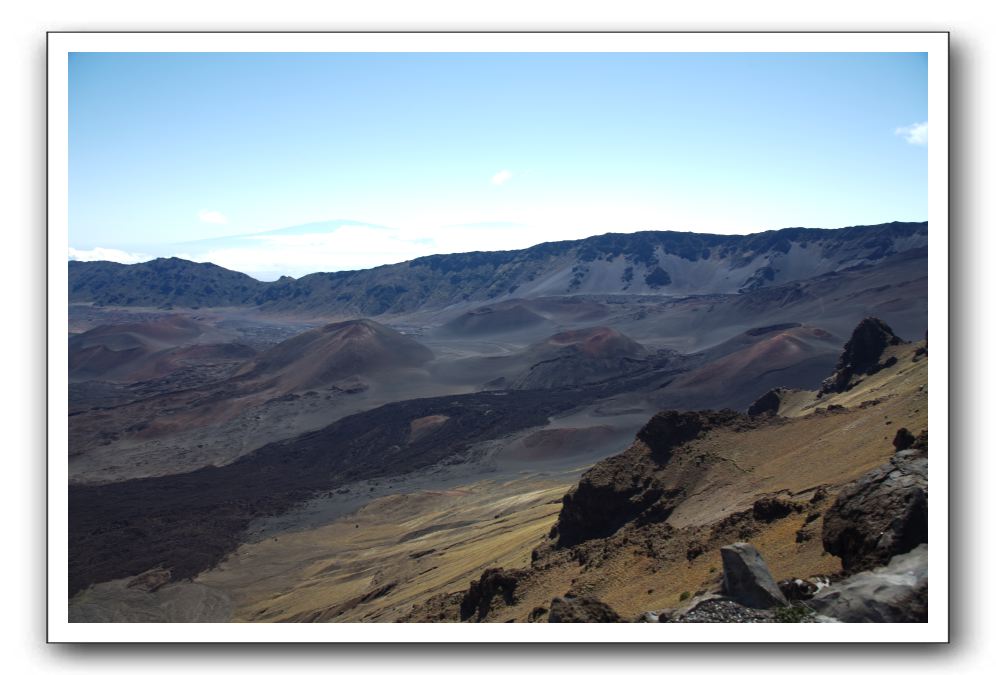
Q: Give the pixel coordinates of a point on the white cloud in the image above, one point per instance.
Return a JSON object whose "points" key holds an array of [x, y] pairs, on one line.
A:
{"points": [[501, 177], [213, 217], [348, 247], [111, 254], [451, 228], [914, 134]]}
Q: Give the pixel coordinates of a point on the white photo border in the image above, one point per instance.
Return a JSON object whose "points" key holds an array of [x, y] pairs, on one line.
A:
{"points": [[61, 44]]}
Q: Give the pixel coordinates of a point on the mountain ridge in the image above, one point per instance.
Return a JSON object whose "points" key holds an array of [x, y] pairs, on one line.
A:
{"points": [[649, 262]]}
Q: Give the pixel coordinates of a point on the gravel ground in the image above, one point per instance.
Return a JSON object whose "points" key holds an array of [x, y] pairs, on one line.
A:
{"points": [[718, 610]]}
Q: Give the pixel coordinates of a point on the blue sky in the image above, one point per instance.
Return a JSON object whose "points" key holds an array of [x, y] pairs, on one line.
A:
{"points": [[392, 156]]}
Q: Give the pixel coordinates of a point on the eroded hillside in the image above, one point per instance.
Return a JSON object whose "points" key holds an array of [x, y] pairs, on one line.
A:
{"points": [[656, 263], [642, 530]]}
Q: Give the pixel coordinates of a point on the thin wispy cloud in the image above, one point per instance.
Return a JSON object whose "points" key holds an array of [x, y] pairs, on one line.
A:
{"points": [[111, 254], [501, 177], [914, 134], [212, 217], [271, 255]]}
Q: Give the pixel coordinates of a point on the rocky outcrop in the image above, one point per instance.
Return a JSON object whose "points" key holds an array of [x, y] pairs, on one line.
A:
{"points": [[770, 509], [895, 593], [495, 585], [882, 514], [627, 486], [768, 404], [862, 354], [609, 495], [746, 578], [669, 429], [584, 609]]}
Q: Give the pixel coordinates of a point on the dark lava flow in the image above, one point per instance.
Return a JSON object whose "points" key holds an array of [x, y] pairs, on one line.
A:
{"points": [[188, 522]]}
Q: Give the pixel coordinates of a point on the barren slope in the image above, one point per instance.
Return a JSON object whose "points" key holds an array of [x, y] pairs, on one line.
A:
{"points": [[681, 495], [298, 385]]}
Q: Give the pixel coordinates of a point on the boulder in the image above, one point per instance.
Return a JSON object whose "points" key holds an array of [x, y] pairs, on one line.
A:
{"points": [[746, 578], [895, 593], [582, 609], [903, 440], [882, 514]]}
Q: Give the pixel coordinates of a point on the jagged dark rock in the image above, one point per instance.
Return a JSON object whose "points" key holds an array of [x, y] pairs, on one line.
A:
{"points": [[746, 578], [861, 354], [495, 583], [770, 509], [882, 514], [903, 440], [627, 486], [768, 404], [671, 428], [583, 609], [895, 593]]}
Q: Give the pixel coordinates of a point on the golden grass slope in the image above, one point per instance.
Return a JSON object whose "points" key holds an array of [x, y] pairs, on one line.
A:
{"points": [[391, 555]]}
